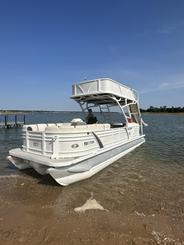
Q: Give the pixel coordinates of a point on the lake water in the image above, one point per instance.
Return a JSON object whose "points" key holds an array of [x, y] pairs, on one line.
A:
{"points": [[148, 183]]}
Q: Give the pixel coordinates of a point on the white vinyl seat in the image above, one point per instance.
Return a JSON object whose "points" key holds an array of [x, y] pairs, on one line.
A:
{"points": [[77, 128]]}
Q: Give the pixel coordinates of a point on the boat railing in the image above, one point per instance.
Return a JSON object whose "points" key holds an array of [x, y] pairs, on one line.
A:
{"points": [[36, 142], [56, 144], [41, 143], [49, 144], [96, 89]]}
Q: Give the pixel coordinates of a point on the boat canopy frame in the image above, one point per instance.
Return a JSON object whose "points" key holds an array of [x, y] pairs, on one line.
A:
{"points": [[105, 93]]}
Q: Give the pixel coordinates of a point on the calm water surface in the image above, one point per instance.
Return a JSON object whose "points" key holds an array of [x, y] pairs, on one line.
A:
{"points": [[150, 180]]}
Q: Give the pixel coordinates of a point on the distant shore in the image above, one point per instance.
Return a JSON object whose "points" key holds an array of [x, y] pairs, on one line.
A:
{"points": [[8, 112], [13, 112]]}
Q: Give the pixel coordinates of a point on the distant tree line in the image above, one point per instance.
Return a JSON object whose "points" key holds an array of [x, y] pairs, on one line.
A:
{"points": [[164, 109]]}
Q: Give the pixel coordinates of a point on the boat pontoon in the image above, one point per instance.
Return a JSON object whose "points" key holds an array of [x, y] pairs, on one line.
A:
{"points": [[74, 151]]}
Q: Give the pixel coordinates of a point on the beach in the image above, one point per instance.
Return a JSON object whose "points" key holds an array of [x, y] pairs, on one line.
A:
{"points": [[142, 195], [40, 212]]}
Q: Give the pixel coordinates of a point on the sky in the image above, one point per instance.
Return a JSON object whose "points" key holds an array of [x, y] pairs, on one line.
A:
{"points": [[46, 46]]}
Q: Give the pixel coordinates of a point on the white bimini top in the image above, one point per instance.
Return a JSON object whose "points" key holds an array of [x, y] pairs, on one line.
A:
{"points": [[99, 89]]}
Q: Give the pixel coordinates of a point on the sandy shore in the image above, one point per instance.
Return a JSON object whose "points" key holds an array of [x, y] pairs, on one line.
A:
{"points": [[26, 225], [31, 216]]}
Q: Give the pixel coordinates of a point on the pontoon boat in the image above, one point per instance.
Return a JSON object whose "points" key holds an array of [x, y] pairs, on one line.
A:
{"points": [[74, 151]]}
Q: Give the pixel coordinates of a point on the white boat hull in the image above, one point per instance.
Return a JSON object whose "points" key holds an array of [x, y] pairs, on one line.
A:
{"points": [[83, 169], [77, 150]]}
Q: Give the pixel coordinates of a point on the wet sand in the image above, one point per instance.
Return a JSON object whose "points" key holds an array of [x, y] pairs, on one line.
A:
{"points": [[20, 224], [36, 210]]}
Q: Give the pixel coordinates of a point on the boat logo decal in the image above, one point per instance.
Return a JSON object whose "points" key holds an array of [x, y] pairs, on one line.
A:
{"points": [[74, 146], [89, 142]]}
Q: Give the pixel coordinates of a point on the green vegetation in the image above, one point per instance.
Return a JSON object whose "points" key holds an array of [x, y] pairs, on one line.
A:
{"points": [[164, 109], [151, 109]]}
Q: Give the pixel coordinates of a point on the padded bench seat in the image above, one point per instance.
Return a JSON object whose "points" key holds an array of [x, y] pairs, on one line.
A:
{"points": [[78, 128]]}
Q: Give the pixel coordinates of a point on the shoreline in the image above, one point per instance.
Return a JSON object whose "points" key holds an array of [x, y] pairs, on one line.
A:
{"points": [[13, 112], [27, 219]]}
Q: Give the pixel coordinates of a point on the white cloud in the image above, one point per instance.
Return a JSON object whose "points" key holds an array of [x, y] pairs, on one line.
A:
{"points": [[166, 30], [164, 86], [171, 85]]}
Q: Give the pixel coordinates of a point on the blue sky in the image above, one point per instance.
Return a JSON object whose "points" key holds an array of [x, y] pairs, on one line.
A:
{"points": [[45, 46]]}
